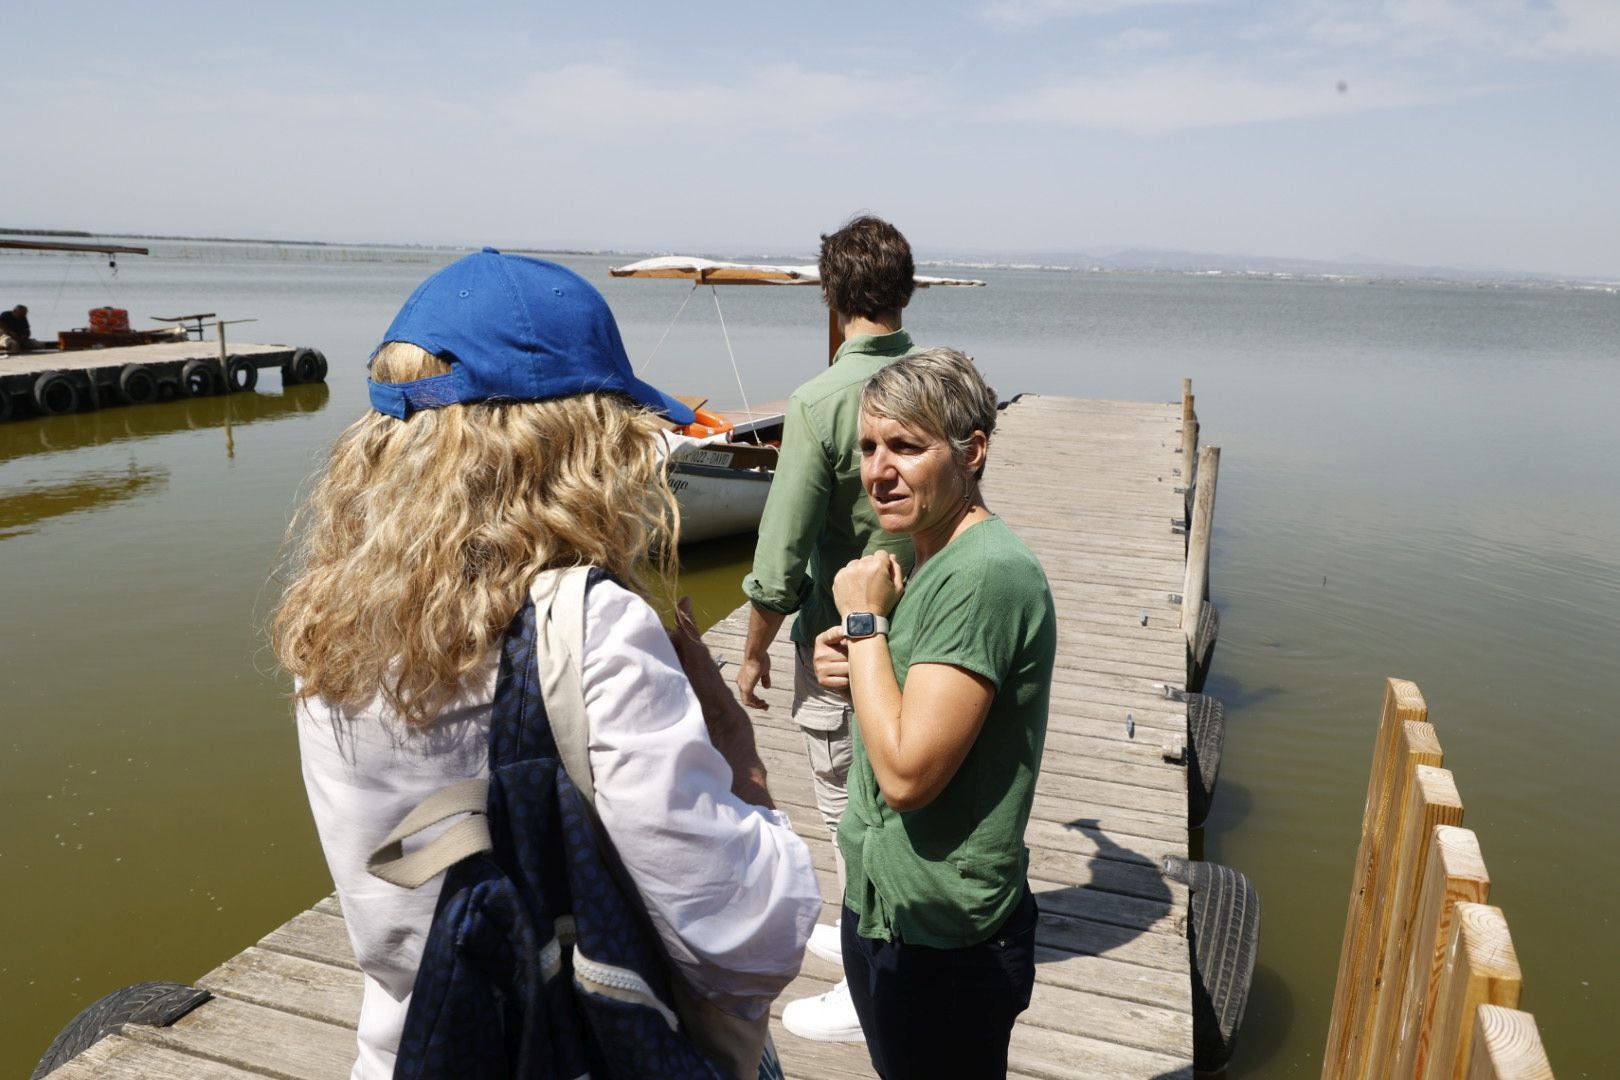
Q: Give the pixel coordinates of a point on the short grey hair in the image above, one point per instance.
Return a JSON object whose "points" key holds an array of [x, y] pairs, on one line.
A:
{"points": [[936, 390]]}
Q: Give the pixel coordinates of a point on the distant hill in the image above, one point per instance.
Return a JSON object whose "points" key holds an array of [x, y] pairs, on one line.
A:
{"points": [[1172, 261], [1149, 260]]}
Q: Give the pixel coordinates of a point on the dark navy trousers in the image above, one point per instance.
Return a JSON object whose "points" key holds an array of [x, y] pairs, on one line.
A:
{"points": [[942, 1012]]}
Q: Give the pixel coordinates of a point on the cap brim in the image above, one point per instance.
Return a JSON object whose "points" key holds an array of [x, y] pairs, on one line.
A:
{"points": [[657, 400]]}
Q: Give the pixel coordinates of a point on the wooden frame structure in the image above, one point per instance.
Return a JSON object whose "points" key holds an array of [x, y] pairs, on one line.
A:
{"points": [[710, 272], [1428, 982]]}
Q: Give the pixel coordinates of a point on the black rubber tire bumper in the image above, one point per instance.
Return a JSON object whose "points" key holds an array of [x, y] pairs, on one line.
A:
{"points": [[156, 1003]]}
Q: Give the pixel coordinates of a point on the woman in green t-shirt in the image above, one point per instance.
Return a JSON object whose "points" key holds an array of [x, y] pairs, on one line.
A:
{"points": [[950, 672]]}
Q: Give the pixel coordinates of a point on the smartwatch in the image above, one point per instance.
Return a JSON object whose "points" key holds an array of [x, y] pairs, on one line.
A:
{"points": [[864, 624]]}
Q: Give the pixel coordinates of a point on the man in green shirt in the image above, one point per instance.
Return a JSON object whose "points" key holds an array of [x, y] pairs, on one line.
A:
{"points": [[817, 519]]}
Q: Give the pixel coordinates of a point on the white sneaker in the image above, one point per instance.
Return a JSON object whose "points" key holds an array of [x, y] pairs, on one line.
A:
{"points": [[828, 1017], [827, 942]]}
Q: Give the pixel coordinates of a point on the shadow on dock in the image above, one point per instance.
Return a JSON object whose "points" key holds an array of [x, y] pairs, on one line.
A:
{"points": [[47, 435], [1125, 897]]}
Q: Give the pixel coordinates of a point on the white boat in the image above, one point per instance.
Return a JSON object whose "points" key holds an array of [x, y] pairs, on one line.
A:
{"points": [[720, 467], [720, 483]]}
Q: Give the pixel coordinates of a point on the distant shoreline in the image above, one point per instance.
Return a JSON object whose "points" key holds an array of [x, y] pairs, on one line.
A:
{"points": [[1129, 263]]}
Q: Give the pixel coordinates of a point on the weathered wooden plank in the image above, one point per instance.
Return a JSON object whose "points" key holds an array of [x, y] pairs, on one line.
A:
{"points": [[291, 984], [1085, 838], [313, 935], [1142, 693], [118, 1058], [1168, 805], [252, 1037], [1105, 867], [1106, 876], [791, 788], [1154, 916], [1126, 828], [1129, 982], [1108, 1019], [1077, 756], [1123, 645], [1056, 1055]]}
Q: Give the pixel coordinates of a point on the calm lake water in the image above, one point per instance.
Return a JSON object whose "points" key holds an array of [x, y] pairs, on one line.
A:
{"points": [[1417, 481]]}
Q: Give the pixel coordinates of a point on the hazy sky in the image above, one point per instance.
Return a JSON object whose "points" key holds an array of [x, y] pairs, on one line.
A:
{"points": [[1483, 133]]}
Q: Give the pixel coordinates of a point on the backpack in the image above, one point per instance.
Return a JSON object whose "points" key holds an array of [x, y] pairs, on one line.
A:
{"points": [[541, 961]]}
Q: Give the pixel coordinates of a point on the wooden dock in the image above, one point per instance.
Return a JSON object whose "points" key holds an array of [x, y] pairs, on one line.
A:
{"points": [[53, 383], [1096, 489]]}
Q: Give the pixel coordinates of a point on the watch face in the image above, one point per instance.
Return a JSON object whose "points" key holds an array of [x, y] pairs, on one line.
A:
{"points": [[860, 624]]}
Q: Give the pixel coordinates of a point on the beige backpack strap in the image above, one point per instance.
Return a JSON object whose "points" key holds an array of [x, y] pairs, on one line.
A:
{"points": [[559, 617], [559, 649], [466, 837]]}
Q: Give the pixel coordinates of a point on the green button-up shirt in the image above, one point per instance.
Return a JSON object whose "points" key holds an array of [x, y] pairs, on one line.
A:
{"points": [[817, 518]]}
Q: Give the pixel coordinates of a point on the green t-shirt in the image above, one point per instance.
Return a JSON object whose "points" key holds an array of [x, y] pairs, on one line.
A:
{"points": [[817, 518], [948, 874]]}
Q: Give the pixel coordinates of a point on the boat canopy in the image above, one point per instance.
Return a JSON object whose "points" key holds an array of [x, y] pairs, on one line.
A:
{"points": [[711, 272]]}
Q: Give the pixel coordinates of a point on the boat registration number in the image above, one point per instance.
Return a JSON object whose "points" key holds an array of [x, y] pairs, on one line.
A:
{"points": [[718, 458]]}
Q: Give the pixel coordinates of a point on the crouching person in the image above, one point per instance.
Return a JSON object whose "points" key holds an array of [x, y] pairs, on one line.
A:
{"points": [[574, 864]]}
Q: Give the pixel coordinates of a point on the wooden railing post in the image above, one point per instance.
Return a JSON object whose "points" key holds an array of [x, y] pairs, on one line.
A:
{"points": [[1432, 802], [1195, 585], [1424, 959], [835, 335], [1189, 438], [1391, 768], [1506, 1046], [1481, 969], [1455, 874]]}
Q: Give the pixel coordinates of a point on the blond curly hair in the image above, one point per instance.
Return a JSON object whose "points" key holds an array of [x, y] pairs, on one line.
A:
{"points": [[419, 540]]}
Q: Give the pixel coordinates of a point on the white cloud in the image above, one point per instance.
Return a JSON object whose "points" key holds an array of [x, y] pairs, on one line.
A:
{"points": [[1482, 30], [603, 100], [1171, 97], [1137, 39], [1586, 26], [1023, 13]]}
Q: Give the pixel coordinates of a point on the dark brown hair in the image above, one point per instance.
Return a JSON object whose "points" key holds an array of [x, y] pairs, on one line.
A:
{"points": [[866, 268]]}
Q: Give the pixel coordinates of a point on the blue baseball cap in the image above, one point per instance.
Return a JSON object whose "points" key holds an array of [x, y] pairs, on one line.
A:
{"points": [[513, 328]]}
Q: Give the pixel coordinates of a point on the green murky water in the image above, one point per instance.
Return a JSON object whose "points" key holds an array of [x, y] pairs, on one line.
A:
{"points": [[1416, 481]]}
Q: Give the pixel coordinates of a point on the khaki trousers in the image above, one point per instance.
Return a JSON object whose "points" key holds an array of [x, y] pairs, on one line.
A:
{"points": [[824, 717]]}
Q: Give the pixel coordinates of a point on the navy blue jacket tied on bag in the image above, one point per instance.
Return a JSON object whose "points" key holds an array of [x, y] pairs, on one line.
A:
{"points": [[541, 961]]}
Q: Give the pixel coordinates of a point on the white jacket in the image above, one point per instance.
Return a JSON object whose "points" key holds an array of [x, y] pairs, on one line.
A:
{"points": [[729, 886]]}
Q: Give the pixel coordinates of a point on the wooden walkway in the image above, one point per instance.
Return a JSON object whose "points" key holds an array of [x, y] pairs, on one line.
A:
{"points": [[1092, 487], [53, 383]]}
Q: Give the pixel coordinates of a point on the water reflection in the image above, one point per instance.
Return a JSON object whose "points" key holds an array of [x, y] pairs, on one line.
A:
{"points": [[21, 510], [103, 427]]}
